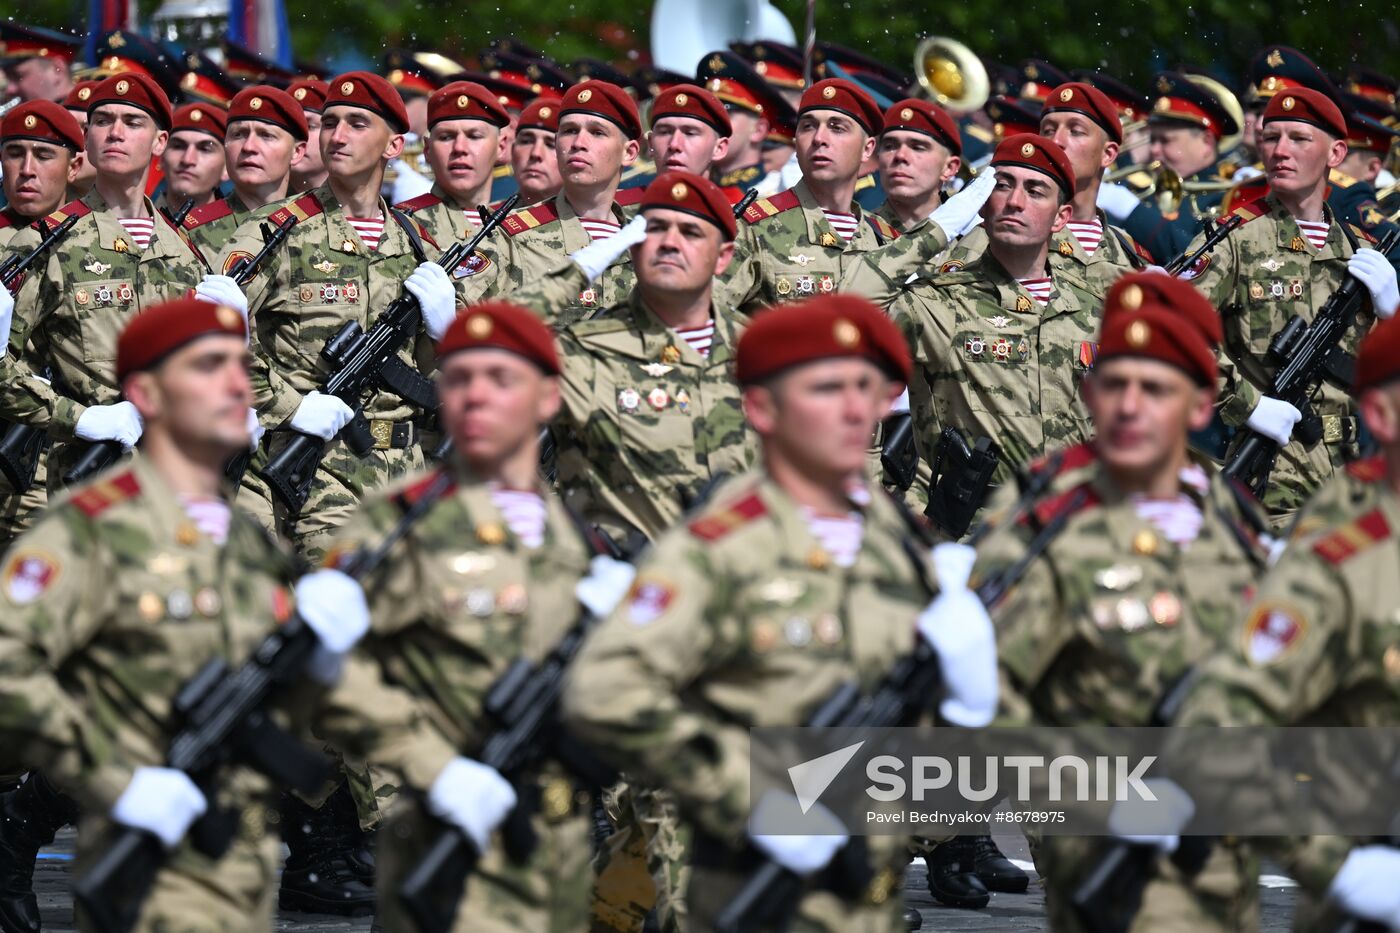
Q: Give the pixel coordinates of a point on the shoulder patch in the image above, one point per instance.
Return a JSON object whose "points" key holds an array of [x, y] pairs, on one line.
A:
{"points": [[1353, 538], [952, 265], [629, 196], [764, 208], [417, 204], [28, 573], [207, 212], [529, 218], [99, 497], [74, 209], [1368, 470], [1270, 632], [715, 526], [1051, 507], [1252, 209], [303, 208], [882, 227], [416, 489]]}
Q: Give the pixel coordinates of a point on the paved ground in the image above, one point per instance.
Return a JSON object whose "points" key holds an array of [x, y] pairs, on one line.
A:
{"points": [[1007, 912]]}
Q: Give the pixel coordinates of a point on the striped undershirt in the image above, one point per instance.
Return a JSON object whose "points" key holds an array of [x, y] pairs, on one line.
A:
{"points": [[1089, 233], [838, 535], [140, 229], [369, 230], [843, 225], [699, 338], [523, 510], [473, 218], [1179, 518], [599, 229], [1315, 232], [1039, 288], [210, 516]]}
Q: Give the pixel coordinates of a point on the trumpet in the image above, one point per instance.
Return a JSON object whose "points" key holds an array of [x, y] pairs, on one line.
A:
{"points": [[951, 75], [1163, 184]]}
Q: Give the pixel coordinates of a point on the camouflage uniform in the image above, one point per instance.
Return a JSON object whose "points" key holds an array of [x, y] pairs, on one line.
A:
{"points": [[1259, 277], [990, 361], [741, 620], [117, 588], [1320, 646], [461, 602], [444, 221], [212, 225], [786, 250], [1097, 632], [69, 310], [321, 278], [16, 511]]}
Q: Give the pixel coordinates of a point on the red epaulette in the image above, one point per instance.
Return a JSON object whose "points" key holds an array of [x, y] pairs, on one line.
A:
{"points": [[882, 227], [1142, 254], [1071, 458], [303, 208], [1353, 538], [1253, 209], [418, 203], [1362, 234], [415, 490], [1049, 508], [74, 209], [1368, 470], [717, 525], [101, 496], [528, 218], [205, 213], [764, 208], [629, 196]]}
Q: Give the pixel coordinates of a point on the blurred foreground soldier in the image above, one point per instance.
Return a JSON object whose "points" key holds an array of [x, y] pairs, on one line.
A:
{"points": [[309, 171], [1145, 580], [509, 595], [464, 139], [193, 160], [266, 135], [745, 616], [1320, 645], [1288, 258], [797, 244], [533, 161], [152, 553], [919, 150]]}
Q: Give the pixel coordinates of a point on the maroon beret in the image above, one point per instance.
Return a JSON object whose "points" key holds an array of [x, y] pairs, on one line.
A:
{"points": [[81, 93], [1163, 318], [201, 118], [161, 329], [682, 191], [1378, 356], [310, 93], [687, 100], [1031, 151], [45, 121], [922, 116], [369, 92], [466, 100], [502, 325], [844, 96], [268, 104], [1306, 106], [541, 113], [134, 90], [834, 325], [1081, 98], [601, 99]]}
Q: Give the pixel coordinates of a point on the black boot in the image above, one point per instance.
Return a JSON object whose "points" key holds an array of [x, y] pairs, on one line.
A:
{"points": [[996, 871], [330, 869], [913, 920], [29, 816], [950, 877]]}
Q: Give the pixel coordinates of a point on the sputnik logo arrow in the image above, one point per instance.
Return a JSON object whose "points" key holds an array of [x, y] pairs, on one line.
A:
{"points": [[811, 778]]}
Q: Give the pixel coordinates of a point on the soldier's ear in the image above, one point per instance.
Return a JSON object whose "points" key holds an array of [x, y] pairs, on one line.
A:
{"points": [[75, 166], [868, 149], [1337, 153], [140, 389], [721, 149], [550, 402], [1202, 408], [394, 148], [761, 408], [298, 152], [1110, 153], [162, 140], [630, 151]]}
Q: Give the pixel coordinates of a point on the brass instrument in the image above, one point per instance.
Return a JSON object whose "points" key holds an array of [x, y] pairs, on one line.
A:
{"points": [[1230, 102], [1163, 184], [951, 75], [10, 104]]}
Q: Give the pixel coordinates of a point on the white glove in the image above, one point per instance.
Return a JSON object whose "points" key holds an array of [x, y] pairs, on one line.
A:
{"points": [[321, 415], [1375, 272], [1366, 886], [956, 624], [1117, 201], [222, 290], [163, 802], [963, 211], [7, 317], [1274, 419], [333, 606], [605, 585], [118, 422], [473, 797], [432, 286], [595, 258], [255, 430], [1156, 823], [801, 855]]}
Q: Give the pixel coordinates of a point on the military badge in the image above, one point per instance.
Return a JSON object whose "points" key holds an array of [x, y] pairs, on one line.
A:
{"points": [[150, 607], [1271, 264], [1145, 543], [1256, 291], [1001, 349], [307, 293], [800, 258], [1165, 609], [1277, 288], [1298, 245], [658, 398], [656, 370], [179, 604], [588, 297], [208, 602], [480, 603], [1131, 614], [120, 246], [1066, 249], [81, 296], [329, 293], [125, 292], [829, 240], [828, 629], [826, 284], [1023, 304], [513, 599], [805, 284], [999, 321], [628, 399], [1270, 633], [348, 246], [1196, 268], [672, 354], [325, 266], [683, 400], [784, 287], [28, 574], [234, 258], [647, 601], [351, 292], [763, 638], [1295, 287], [1088, 353], [952, 265], [1023, 349], [974, 346], [103, 294], [798, 632], [475, 264], [491, 534], [97, 268]]}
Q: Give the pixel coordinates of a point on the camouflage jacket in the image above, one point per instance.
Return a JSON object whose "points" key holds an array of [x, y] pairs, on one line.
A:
{"points": [[882, 274], [1259, 277], [11, 224], [786, 250], [212, 225], [444, 221], [70, 309], [739, 620], [111, 603], [646, 421], [990, 361]]}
